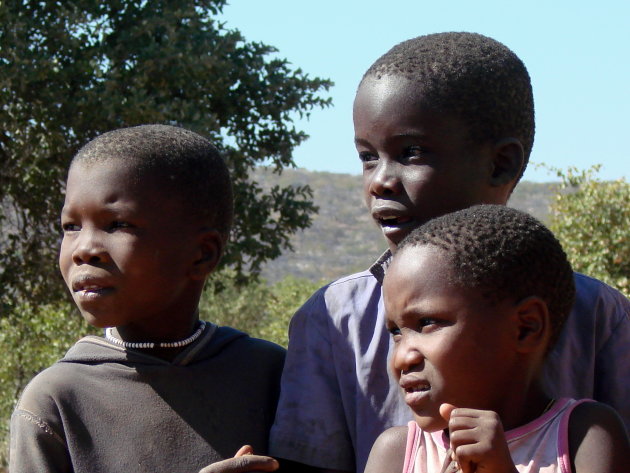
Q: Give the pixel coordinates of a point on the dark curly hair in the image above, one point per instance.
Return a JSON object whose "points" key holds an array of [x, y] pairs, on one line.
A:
{"points": [[187, 166], [505, 253], [471, 76]]}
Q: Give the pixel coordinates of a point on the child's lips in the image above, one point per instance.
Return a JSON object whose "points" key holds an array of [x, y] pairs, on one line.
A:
{"points": [[87, 288], [391, 218], [393, 221], [415, 390], [395, 229], [92, 294]]}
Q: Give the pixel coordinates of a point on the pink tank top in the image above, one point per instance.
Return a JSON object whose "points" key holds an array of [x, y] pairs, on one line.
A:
{"points": [[541, 446]]}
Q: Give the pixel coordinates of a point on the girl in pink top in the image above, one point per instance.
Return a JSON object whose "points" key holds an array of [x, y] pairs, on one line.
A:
{"points": [[474, 301]]}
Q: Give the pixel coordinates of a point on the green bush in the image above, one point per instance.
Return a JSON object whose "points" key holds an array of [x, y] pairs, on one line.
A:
{"points": [[261, 310], [31, 339], [591, 218]]}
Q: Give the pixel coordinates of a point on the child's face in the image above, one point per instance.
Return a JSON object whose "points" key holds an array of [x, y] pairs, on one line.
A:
{"points": [[126, 250], [418, 163], [450, 345]]}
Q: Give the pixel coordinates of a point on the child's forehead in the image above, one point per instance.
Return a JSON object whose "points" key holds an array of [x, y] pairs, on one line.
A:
{"points": [[408, 103], [125, 170], [416, 265], [422, 281], [391, 88], [117, 177]]}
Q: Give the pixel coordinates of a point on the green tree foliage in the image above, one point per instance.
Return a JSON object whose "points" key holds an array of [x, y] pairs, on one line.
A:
{"points": [[70, 70], [32, 338], [261, 310], [591, 218]]}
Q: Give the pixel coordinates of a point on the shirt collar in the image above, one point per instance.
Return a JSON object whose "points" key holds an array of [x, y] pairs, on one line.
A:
{"points": [[379, 268]]}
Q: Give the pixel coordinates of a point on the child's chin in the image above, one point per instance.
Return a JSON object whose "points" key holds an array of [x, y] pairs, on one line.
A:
{"points": [[430, 424], [95, 320]]}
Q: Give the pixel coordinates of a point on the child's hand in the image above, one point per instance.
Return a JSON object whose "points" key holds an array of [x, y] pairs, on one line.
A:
{"points": [[243, 462], [477, 440]]}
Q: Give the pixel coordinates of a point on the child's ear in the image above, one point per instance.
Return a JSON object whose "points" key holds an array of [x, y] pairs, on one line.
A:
{"points": [[508, 161], [210, 246], [533, 324]]}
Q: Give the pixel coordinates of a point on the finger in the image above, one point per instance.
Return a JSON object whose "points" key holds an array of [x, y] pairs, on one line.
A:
{"points": [[467, 456], [468, 412], [475, 419], [446, 410], [467, 467], [244, 450], [243, 464], [462, 423], [460, 437]]}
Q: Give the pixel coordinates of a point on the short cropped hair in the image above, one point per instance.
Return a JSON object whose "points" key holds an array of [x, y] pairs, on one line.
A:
{"points": [[470, 76], [186, 164], [504, 253]]}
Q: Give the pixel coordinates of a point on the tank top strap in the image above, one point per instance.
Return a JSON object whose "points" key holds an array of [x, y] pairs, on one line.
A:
{"points": [[413, 439]]}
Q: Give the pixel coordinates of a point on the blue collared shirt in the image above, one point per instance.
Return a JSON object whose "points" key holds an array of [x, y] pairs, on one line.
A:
{"points": [[337, 395]]}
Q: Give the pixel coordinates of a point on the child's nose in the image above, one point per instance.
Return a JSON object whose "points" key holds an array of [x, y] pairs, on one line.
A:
{"points": [[88, 248], [406, 357], [386, 179]]}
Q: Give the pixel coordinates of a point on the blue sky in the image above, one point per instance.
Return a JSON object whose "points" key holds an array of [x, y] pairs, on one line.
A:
{"points": [[577, 54]]}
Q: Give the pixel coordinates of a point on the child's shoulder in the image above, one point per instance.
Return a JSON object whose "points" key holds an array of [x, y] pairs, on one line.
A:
{"points": [[47, 390], [264, 348], [590, 413], [589, 289], [393, 438], [388, 452], [242, 345], [598, 440], [360, 278], [346, 287], [599, 309], [62, 375]]}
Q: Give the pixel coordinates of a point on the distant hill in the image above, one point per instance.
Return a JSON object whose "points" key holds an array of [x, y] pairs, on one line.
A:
{"points": [[343, 239]]}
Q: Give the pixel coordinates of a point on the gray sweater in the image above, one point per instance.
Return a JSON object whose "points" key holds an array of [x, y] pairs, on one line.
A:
{"points": [[104, 409]]}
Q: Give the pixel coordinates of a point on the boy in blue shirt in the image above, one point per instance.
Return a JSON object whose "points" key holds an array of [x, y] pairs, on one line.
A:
{"points": [[146, 217], [442, 122]]}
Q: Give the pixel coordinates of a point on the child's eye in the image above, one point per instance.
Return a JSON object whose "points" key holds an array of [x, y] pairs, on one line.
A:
{"points": [[414, 152], [395, 332], [366, 156], [426, 322], [118, 224], [69, 227]]}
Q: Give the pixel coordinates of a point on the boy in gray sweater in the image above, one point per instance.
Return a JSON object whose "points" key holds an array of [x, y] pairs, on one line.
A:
{"points": [[146, 217]]}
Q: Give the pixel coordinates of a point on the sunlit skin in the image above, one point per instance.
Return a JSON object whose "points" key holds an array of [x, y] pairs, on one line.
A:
{"points": [[134, 259], [452, 346], [470, 368], [128, 253], [418, 163]]}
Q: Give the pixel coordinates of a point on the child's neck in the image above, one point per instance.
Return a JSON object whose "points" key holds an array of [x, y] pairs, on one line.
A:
{"points": [[533, 404]]}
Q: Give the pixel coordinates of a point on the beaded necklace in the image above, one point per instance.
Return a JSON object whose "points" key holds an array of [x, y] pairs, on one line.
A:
{"points": [[181, 343]]}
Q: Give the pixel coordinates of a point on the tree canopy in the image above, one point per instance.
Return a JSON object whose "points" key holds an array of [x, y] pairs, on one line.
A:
{"points": [[591, 218], [70, 70]]}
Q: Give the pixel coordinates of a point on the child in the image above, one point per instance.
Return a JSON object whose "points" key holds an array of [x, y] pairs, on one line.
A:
{"points": [[442, 122], [474, 300], [146, 217]]}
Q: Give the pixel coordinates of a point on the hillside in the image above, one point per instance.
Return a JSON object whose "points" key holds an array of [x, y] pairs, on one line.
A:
{"points": [[343, 238]]}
